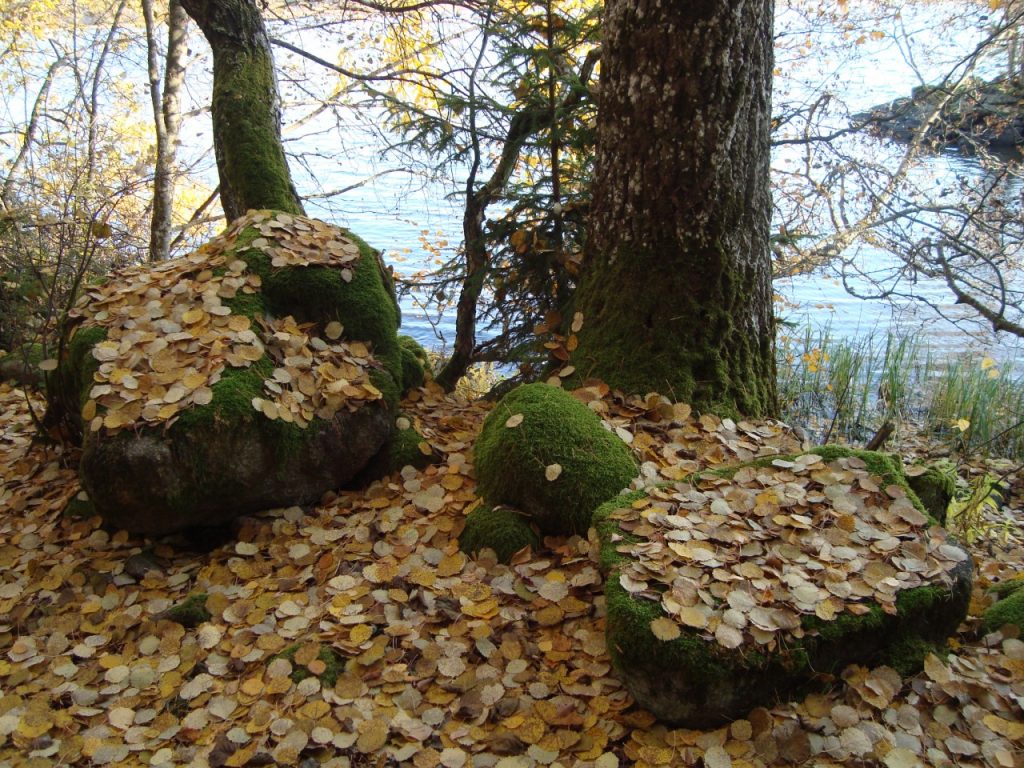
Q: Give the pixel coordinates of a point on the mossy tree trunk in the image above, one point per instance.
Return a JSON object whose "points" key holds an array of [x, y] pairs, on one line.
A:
{"points": [[246, 111], [676, 294]]}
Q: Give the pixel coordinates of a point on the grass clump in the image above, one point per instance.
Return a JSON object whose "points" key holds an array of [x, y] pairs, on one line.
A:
{"points": [[841, 389]]}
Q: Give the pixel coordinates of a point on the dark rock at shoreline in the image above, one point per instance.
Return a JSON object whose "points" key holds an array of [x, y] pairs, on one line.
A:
{"points": [[977, 113]]}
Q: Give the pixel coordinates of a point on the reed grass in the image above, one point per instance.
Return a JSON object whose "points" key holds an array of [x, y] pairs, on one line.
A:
{"points": [[845, 390]]}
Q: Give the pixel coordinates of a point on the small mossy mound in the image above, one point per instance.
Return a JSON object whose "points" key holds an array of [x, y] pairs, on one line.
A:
{"points": [[260, 371], [1008, 609], [415, 363], [694, 667], [935, 487], [544, 452], [333, 665], [499, 528], [80, 506], [190, 612]]}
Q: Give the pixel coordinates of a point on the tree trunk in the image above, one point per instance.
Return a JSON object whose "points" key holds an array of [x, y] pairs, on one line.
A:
{"points": [[676, 293], [166, 119], [246, 113]]}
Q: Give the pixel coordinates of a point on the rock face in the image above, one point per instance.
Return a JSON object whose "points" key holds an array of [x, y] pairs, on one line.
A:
{"points": [[546, 454], [734, 587], [260, 371]]}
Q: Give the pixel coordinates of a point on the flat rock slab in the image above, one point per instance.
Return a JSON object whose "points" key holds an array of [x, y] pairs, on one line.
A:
{"points": [[259, 371], [734, 587]]}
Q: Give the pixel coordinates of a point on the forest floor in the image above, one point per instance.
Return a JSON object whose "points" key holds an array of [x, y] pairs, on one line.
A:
{"points": [[407, 651]]}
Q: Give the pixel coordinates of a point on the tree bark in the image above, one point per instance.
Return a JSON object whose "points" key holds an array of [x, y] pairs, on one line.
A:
{"points": [[676, 293], [166, 119], [246, 112]]}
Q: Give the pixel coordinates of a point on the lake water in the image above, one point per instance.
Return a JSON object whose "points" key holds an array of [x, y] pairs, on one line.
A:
{"points": [[395, 210]]}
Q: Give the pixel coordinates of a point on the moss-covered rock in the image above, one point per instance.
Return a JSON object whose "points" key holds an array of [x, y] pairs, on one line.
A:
{"points": [[1008, 609], [935, 488], [405, 447], [700, 680], [544, 452], [264, 371], [502, 529]]}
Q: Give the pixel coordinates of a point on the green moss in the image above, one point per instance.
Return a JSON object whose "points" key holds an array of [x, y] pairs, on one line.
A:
{"points": [[701, 332], [935, 488], [907, 654], [79, 365], [1009, 610], [499, 528], [191, 612], [334, 665], [79, 507], [251, 158], [403, 449], [421, 354], [247, 304], [413, 374], [363, 305], [556, 428], [1008, 587]]}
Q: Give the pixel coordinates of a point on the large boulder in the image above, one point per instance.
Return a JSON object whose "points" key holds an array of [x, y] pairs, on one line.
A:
{"points": [[736, 586], [547, 454], [260, 371]]}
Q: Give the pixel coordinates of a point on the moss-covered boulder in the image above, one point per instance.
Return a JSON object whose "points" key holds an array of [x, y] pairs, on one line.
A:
{"points": [[502, 529], [544, 452], [733, 587], [262, 370]]}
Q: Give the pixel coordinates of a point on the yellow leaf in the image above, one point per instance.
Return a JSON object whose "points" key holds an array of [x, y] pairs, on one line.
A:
{"points": [[665, 629], [552, 472], [962, 424], [986, 363], [514, 420]]}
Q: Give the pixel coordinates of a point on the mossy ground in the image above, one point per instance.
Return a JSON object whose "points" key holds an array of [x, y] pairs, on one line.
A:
{"points": [[1009, 609], [557, 429], [191, 612], [499, 528], [334, 665]]}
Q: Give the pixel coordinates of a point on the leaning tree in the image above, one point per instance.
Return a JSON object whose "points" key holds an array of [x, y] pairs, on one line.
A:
{"points": [[676, 293]]}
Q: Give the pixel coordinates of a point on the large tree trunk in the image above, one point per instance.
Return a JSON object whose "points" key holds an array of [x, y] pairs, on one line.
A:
{"points": [[676, 294], [246, 113]]}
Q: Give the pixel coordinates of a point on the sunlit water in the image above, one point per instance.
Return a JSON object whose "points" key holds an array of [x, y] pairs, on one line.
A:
{"points": [[394, 211]]}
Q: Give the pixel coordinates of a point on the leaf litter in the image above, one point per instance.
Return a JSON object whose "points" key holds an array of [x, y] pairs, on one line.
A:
{"points": [[440, 660], [171, 332]]}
